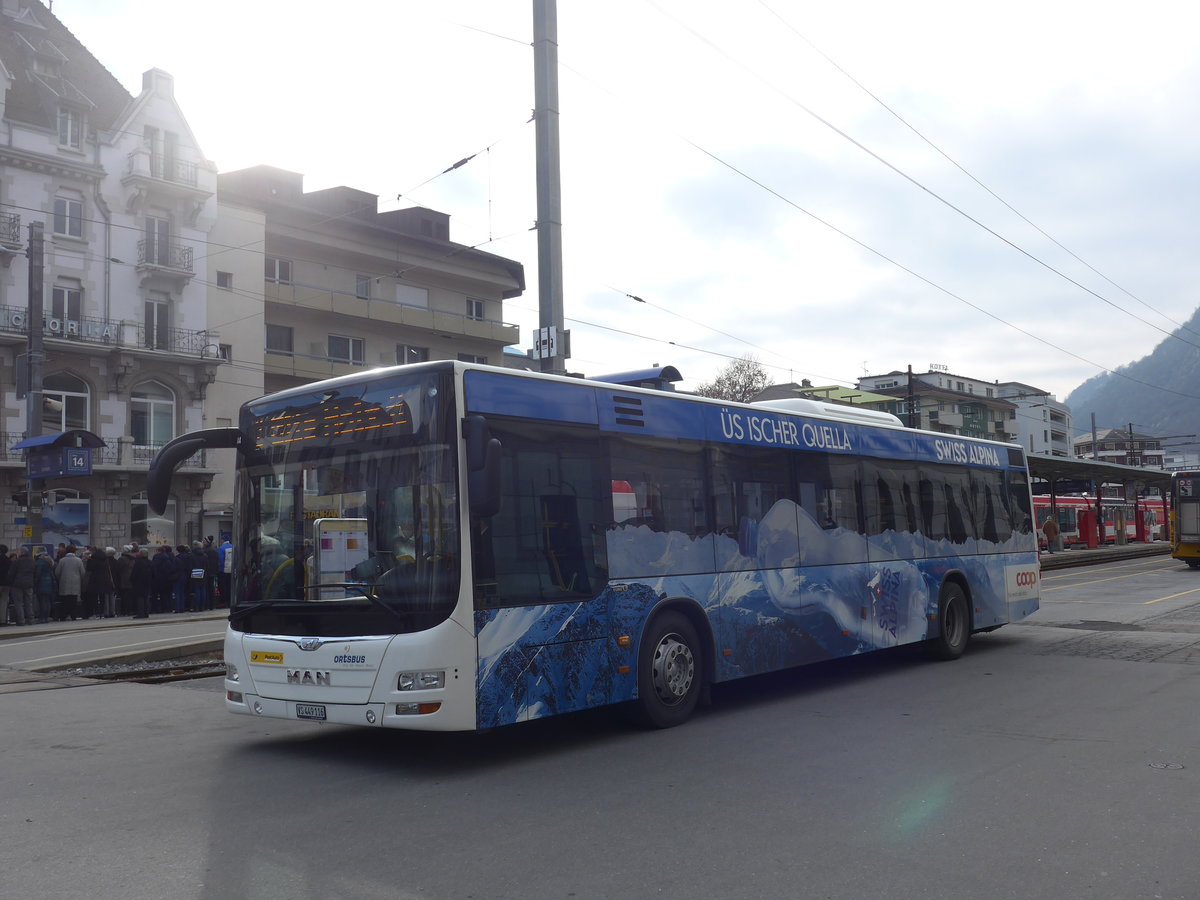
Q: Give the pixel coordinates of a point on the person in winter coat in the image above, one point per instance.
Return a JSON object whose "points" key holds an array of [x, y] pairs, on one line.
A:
{"points": [[123, 579], [44, 585], [225, 569], [21, 575], [212, 565], [162, 580], [183, 571], [142, 579], [4, 583], [99, 581], [68, 572]]}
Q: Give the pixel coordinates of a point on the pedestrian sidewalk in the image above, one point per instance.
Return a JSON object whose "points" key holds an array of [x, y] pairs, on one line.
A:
{"points": [[19, 631]]}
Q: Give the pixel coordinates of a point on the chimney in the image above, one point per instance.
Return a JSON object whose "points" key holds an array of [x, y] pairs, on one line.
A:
{"points": [[159, 82]]}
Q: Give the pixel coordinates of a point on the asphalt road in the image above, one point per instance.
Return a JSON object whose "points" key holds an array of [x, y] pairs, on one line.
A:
{"points": [[1058, 759]]}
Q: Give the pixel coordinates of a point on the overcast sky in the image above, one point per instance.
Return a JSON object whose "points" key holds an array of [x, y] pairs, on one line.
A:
{"points": [[698, 173]]}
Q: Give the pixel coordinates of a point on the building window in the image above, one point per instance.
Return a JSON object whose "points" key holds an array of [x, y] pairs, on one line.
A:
{"points": [[407, 295], [362, 287], [346, 349], [70, 128], [66, 303], [406, 354], [65, 401], [278, 271], [152, 415], [470, 358], [68, 217], [158, 321], [279, 339], [474, 309], [225, 352], [158, 241], [225, 281]]}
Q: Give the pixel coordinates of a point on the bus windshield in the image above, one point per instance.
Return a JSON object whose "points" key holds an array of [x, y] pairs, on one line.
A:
{"points": [[348, 507]]}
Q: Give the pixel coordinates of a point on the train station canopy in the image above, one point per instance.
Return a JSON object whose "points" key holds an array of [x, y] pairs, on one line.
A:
{"points": [[1055, 470]]}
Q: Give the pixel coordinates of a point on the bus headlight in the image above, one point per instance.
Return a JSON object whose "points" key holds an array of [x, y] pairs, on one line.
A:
{"points": [[231, 672], [421, 681]]}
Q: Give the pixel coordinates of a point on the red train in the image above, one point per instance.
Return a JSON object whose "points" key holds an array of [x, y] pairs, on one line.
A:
{"points": [[1143, 519]]}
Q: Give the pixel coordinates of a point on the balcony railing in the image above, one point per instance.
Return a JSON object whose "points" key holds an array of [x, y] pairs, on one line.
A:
{"points": [[14, 320], [170, 168], [165, 255], [175, 340], [10, 228]]}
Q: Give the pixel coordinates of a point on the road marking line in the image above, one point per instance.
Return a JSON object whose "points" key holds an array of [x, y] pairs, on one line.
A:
{"points": [[1076, 584], [1170, 596]]}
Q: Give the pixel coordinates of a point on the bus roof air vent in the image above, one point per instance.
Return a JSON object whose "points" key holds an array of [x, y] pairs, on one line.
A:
{"points": [[628, 411]]}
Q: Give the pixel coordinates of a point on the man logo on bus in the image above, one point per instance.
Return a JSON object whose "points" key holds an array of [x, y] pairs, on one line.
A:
{"points": [[298, 676]]}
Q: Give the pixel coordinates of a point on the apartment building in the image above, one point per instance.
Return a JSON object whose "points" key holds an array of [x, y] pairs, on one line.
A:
{"points": [[1124, 447], [345, 286], [304, 286], [127, 199], [1043, 424], [942, 401]]}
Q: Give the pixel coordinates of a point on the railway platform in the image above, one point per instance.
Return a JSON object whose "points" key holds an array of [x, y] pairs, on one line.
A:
{"points": [[1064, 559]]}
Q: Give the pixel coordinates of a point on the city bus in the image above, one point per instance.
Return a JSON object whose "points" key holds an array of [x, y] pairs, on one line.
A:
{"points": [[449, 546], [1185, 517]]}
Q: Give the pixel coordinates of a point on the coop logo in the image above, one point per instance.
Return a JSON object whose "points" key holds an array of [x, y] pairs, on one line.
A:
{"points": [[349, 659], [1022, 582]]}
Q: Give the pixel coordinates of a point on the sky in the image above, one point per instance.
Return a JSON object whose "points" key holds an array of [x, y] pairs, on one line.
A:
{"points": [[837, 189]]}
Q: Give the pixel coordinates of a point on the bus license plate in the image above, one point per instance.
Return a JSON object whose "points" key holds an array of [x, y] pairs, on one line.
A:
{"points": [[310, 711]]}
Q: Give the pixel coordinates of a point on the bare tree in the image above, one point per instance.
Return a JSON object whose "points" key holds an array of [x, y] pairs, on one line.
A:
{"points": [[740, 380]]}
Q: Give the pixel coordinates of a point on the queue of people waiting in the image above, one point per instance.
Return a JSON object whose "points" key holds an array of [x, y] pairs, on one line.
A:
{"points": [[91, 582]]}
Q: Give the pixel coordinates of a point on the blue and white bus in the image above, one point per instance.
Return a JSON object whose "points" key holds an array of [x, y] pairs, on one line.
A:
{"points": [[448, 546]]}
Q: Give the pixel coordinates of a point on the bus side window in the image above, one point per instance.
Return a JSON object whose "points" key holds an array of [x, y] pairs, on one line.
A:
{"points": [[669, 481], [545, 542]]}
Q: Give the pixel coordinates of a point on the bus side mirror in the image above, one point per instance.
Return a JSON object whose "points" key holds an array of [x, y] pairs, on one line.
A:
{"points": [[483, 467]]}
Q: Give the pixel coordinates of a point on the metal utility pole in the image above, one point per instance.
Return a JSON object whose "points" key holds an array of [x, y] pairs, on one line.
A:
{"points": [[914, 417], [34, 357], [552, 338]]}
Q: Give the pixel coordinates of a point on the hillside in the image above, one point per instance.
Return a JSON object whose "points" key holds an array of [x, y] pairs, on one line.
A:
{"points": [[1118, 398]]}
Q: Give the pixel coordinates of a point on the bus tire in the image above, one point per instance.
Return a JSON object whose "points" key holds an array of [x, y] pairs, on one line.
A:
{"points": [[670, 668], [1193, 563], [954, 624]]}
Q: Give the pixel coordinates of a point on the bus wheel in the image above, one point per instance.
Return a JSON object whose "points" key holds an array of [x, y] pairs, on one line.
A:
{"points": [[1193, 563], [954, 624], [669, 671]]}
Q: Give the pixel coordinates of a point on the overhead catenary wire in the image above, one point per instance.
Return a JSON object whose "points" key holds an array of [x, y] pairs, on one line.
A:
{"points": [[963, 169], [915, 182]]}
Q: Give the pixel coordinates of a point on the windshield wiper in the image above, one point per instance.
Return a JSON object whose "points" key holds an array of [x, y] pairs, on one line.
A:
{"points": [[241, 612]]}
